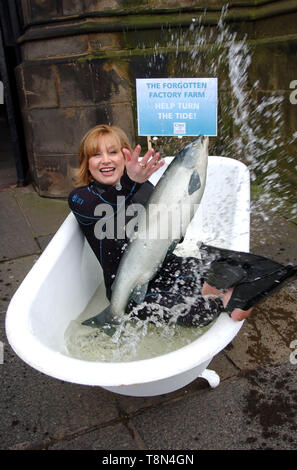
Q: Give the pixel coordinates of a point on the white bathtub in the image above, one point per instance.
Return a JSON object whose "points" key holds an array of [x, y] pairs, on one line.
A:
{"points": [[65, 277]]}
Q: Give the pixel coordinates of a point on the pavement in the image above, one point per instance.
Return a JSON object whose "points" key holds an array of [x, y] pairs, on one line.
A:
{"points": [[254, 407]]}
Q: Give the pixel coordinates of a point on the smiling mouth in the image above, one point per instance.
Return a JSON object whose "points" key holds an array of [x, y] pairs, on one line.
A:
{"points": [[107, 171]]}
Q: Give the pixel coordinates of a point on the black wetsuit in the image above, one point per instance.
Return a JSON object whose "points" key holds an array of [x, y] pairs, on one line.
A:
{"points": [[101, 211]]}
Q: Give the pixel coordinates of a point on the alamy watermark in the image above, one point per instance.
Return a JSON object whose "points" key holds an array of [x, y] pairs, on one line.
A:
{"points": [[1, 93], [293, 355], [155, 222], [1, 352], [293, 94], [293, 344]]}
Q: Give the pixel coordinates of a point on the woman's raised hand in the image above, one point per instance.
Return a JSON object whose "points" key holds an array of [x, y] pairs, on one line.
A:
{"points": [[141, 170]]}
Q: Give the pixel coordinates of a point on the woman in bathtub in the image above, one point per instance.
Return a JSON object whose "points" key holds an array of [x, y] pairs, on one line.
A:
{"points": [[111, 177]]}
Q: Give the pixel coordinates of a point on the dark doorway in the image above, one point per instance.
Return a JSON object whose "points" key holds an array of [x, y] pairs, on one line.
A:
{"points": [[8, 173], [13, 157]]}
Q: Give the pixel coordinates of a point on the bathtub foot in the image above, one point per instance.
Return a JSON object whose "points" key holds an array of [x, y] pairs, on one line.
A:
{"points": [[211, 376]]}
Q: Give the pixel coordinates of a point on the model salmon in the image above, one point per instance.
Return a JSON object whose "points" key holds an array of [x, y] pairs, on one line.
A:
{"points": [[169, 211]]}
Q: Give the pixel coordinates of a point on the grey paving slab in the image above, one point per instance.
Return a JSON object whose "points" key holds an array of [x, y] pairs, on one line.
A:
{"points": [[16, 239], [44, 241], [219, 364], [266, 335], [117, 437], [281, 311], [44, 215], [37, 410], [253, 412], [12, 274]]}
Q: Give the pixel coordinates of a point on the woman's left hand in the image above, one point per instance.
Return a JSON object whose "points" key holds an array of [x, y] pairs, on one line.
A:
{"points": [[140, 170]]}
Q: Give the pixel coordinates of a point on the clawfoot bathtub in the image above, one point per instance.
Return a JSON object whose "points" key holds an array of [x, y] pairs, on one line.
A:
{"points": [[65, 277]]}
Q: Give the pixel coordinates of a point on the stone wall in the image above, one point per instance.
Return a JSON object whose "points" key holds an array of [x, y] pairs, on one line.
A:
{"points": [[80, 59]]}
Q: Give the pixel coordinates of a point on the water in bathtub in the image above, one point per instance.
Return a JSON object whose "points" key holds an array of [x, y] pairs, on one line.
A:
{"points": [[134, 340]]}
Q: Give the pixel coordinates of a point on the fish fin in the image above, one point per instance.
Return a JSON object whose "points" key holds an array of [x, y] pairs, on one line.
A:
{"points": [[173, 246], [103, 320], [194, 183], [139, 293]]}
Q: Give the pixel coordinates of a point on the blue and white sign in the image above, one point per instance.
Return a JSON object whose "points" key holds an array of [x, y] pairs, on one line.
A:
{"points": [[177, 106]]}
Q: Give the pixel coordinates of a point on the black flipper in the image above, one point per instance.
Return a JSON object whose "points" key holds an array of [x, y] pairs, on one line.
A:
{"points": [[253, 277], [223, 275], [248, 293]]}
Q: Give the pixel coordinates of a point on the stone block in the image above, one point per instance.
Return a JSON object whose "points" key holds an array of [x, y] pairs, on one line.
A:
{"points": [[278, 25], [273, 64], [59, 131], [56, 47], [56, 139], [121, 116], [75, 86], [40, 86], [51, 171], [100, 5], [55, 176], [147, 39], [72, 165], [102, 41], [110, 81], [141, 66], [41, 9], [72, 7]]}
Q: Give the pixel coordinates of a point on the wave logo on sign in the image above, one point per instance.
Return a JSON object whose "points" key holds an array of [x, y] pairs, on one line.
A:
{"points": [[179, 128]]}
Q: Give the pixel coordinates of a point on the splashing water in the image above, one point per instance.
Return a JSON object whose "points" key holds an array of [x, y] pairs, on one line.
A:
{"points": [[135, 340], [251, 125]]}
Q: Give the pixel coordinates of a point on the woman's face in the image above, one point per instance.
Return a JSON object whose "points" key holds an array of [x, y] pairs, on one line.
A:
{"points": [[108, 164]]}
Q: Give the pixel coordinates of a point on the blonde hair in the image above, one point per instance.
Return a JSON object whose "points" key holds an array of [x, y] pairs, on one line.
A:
{"points": [[89, 147]]}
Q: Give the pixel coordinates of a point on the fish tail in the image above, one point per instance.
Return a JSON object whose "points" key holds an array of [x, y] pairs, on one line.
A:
{"points": [[103, 320]]}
